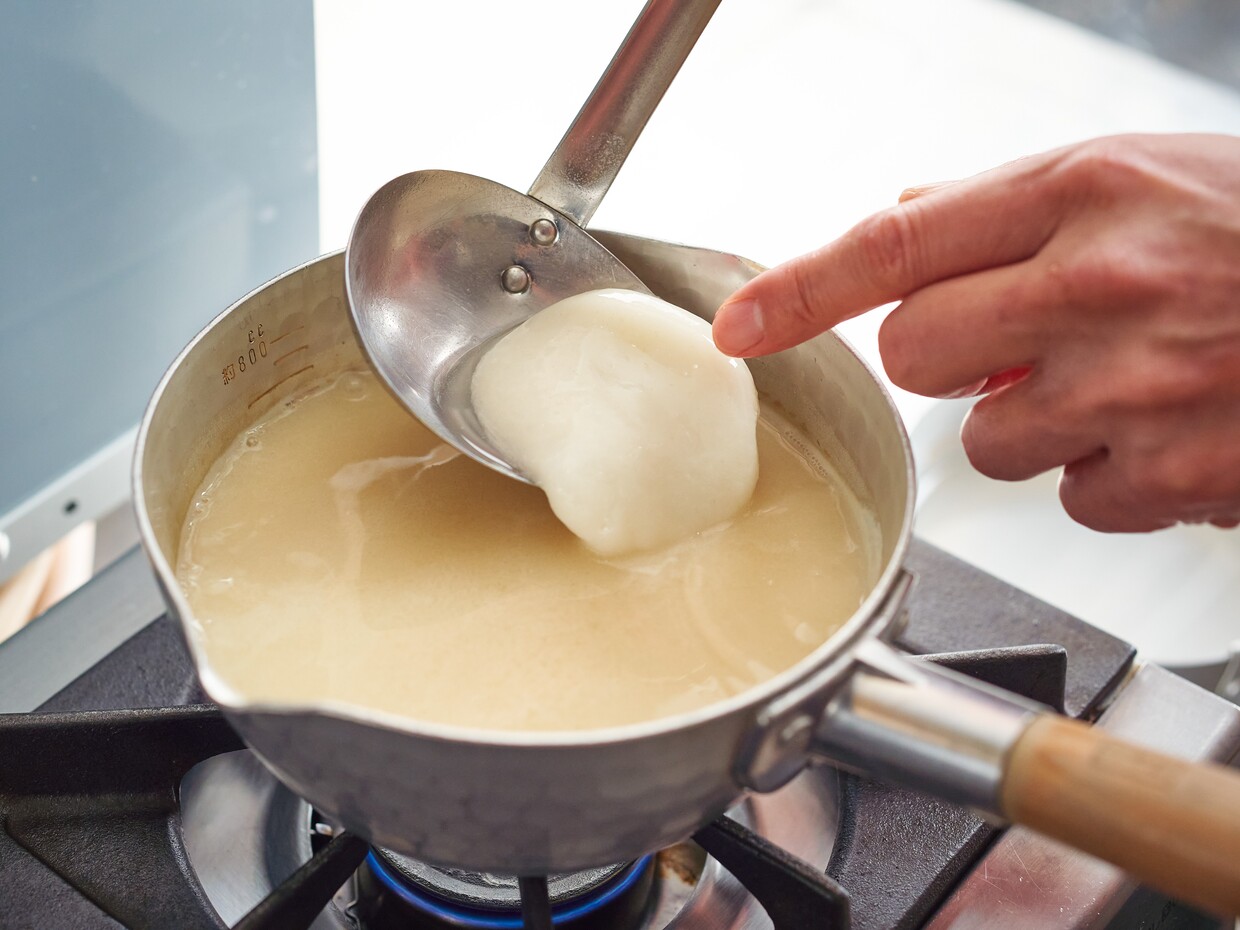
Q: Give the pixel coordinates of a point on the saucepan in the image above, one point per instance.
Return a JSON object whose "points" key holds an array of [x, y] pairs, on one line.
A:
{"points": [[536, 803]]}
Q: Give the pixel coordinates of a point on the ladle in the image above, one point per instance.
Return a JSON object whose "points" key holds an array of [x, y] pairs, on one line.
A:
{"points": [[440, 264]]}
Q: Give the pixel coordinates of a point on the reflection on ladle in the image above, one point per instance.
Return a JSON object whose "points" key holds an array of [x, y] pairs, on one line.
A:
{"points": [[441, 263]]}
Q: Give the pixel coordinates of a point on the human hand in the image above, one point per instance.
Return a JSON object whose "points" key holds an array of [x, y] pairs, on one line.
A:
{"points": [[1092, 292]]}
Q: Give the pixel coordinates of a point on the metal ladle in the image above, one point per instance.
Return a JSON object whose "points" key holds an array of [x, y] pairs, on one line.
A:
{"points": [[441, 264]]}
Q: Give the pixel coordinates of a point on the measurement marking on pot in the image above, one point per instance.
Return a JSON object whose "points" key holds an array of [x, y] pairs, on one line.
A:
{"points": [[290, 352], [293, 374], [289, 333]]}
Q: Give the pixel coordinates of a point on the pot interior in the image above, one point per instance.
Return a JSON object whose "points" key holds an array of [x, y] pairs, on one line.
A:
{"points": [[296, 329]]}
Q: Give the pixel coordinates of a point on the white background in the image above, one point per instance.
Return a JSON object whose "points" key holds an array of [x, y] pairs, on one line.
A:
{"points": [[791, 120]]}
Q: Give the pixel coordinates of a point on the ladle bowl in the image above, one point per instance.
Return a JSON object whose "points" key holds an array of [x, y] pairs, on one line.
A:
{"points": [[440, 264]]}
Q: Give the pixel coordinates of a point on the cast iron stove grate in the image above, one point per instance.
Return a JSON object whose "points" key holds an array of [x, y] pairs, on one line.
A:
{"points": [[93, 792], [88, 798]]}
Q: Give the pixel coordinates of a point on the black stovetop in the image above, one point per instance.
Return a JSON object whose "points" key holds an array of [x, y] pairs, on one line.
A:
{"points": [[95, 795]]}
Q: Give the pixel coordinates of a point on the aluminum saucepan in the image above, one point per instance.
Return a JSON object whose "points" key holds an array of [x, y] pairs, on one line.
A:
{"points": [[536, 803]]}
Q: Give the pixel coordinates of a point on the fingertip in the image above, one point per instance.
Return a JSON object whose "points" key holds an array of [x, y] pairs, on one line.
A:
{"points": [[790, 303], [739, 327]]}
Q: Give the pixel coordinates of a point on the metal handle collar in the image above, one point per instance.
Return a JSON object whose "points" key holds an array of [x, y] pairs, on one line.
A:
{"points": [[923, 727]]}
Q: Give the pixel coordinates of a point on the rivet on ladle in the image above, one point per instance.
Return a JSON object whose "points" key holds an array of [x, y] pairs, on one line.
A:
{"points": [[544, 232], [515, 279]]}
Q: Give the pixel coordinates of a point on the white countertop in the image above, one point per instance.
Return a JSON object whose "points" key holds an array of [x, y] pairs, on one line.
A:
{"points": [[791, 120]]}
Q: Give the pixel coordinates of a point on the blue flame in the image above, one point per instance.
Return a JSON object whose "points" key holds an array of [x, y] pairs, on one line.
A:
{"points": [[461, 916]]}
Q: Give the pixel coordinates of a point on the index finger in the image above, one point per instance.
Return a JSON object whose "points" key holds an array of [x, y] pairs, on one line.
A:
{"points": [[1001, 216]]}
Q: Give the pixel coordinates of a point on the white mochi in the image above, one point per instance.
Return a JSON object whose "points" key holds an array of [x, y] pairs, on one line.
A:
{"points": [[618, 405]]}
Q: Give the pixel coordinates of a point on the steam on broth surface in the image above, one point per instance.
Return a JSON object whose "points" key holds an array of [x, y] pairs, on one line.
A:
{"points": [[338, 551]]}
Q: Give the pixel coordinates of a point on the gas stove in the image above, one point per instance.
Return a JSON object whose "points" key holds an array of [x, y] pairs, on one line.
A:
{"points": [[127, 801]]}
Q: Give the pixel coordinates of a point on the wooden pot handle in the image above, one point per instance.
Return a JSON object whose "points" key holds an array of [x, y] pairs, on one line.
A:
{"points": [[1173, 824]]}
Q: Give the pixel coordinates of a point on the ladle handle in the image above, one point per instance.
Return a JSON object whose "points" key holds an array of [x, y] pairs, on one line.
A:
{"points": [[588, 158], [1171, 823]]}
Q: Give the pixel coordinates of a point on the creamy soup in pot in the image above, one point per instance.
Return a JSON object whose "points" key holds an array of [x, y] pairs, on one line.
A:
{"points": [[338, 551]]}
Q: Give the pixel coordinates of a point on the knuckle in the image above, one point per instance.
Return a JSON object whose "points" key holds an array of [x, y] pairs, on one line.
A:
{"points": [[1017, 306], [1168, 481], [1104, 274], [1209, 363], [1104, 493], [1154, 483], [1206, 477], [1108, 281], [1137, 395], [1166, 385], [1146, 385], [1062, 283], [888, 243], [1108, 167], [807, 309], [1134, 273]]}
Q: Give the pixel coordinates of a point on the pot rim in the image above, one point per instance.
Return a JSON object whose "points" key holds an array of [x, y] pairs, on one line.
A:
{"points": [[831, 652]]}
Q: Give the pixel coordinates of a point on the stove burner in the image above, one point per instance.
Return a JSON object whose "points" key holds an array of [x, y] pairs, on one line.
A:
{"points": [[458, 898], [485, 891]]}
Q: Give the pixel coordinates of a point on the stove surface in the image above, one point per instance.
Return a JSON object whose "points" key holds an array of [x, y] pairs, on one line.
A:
{"points": [[905, 860]]}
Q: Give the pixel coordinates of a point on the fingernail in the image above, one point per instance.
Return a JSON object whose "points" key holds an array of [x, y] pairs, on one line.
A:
{"points": [[738, 327], [917, 190], [969, 390]]}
